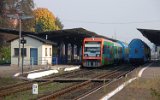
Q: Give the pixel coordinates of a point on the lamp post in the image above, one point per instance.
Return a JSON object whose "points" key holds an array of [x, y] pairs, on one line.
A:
{"points": [[20, 16], [20, 30], [23, 41]]}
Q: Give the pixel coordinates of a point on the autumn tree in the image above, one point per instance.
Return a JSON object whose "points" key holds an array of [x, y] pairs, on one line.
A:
{"points": [[45, 20], [15, 7]]}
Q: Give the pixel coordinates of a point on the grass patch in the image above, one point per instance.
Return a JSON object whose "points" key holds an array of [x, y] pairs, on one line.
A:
{"points": [[27, 95], [155, 93], [146, 89], [145, 83], [4, 81]]}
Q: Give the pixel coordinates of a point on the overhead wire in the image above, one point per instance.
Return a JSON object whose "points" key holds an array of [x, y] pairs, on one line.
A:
{"points": [[132, 22]]}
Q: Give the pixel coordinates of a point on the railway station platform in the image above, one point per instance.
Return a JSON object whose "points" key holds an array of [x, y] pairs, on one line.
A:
{"points": [[142, 88]]}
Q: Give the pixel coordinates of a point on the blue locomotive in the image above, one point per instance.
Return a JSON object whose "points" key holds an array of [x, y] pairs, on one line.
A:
{"points": [[139, 52]]}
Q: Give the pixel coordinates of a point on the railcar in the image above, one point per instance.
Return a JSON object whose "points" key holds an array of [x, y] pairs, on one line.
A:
{"points": [[125, 52], [117, 53], [139, 52], [98, 52]]}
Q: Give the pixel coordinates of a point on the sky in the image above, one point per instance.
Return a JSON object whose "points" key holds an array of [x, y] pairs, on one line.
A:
{"points": [[117, 19]]}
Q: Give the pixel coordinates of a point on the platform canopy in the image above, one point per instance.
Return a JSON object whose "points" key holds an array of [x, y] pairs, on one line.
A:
{"points": [[151, 35], [9, 34], [75, 35]]}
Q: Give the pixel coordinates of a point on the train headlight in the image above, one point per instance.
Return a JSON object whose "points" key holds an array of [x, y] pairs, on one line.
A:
{"points": [[85, 55], [98, 55]]}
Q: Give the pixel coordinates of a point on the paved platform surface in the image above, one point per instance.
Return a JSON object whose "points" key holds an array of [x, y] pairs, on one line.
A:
{"points": [[153, 71], [138, 90]]}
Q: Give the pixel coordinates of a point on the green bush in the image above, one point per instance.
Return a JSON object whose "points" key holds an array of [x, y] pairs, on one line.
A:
{"points": [[155, 93], [5, 54]]}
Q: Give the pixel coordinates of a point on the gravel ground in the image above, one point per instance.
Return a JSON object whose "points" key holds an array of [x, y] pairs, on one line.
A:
{"points": [[105, 90], [9, 71]]}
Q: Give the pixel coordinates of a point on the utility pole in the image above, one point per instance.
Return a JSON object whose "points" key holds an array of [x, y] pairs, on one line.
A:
{"points": [[20, 16]]}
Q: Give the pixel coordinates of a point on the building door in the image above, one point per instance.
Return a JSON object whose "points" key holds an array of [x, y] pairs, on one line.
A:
{"points": [[34, 56]]}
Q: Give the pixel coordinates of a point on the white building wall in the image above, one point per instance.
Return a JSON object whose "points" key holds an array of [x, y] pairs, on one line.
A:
{"points": [[14, 60], [31, 43], [48, 57]]}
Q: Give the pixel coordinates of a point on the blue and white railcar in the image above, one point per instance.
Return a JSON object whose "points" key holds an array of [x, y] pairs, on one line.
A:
{"points": [[139, 52]]}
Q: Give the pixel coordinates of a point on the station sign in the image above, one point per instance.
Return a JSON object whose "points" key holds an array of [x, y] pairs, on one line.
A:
{"points": [[23, 41]]}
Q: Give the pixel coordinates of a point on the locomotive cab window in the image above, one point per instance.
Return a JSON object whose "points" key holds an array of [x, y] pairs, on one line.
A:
{"points": [[92, 49], [135, 51]]}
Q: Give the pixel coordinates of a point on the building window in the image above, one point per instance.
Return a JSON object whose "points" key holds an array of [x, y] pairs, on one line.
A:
{"points": [[50, 51], [23, 52], [46, 52], [16, 52]]}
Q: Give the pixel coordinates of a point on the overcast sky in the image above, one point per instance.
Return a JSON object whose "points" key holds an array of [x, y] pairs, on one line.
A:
{"points": [[112, 18]]}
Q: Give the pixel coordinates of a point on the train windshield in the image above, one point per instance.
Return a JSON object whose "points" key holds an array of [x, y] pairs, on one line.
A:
{"points": [[92, 49]]}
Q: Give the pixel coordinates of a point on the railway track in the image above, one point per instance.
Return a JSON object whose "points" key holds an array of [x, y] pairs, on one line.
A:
{"points": [[14, 85], [19, 87], [23, 86], [78, 87], [12, 89]]}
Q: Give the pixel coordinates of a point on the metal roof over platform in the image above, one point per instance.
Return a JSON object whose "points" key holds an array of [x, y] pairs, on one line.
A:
{"points": [[75, 35], [152, 35], [8, 34]]}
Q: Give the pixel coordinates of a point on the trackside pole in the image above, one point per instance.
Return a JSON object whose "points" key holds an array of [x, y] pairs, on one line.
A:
{"points": [[35, 88]]}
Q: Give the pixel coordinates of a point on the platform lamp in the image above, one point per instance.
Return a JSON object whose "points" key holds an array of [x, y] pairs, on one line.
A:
{"points": [[20, 16]]}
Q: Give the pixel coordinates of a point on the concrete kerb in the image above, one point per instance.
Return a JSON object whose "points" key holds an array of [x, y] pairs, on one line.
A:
{"points": [[41, 74], [34, 75], [28, 72], [72, 68]]}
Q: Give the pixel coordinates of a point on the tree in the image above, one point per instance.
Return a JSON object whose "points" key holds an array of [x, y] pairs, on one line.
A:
{"points": [[46, 21], [58, 23], [13, 7], [5, 53], [1, 6]]}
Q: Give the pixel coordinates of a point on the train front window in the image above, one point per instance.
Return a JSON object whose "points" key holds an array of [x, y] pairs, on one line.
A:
{"points": [[92, 49], [136, 51]]}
